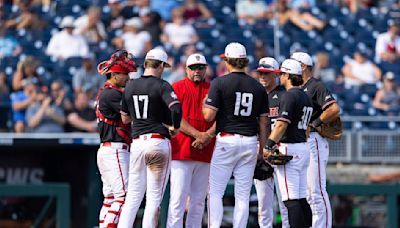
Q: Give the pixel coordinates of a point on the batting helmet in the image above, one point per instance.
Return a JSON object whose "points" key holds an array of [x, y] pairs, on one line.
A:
{"points": [[120, 62]]}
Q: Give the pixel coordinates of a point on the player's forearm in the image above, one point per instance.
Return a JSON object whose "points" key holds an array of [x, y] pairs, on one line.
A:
{"points": [[278, 131], [330, 113], [176, 115], [262, 137], [187, 129], [212, 130]]}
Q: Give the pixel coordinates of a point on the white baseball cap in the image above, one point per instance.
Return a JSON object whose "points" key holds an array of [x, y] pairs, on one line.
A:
{"points": [[291, 66], [158, 54], [196, 59], [134, 22], [268, 65], [302, 57], [234, 50], [67, 22]]}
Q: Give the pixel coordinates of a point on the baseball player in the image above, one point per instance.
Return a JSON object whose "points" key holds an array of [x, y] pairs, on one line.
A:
{"points": [[191, 148], [239, 104], [268, 72], [115, 137], [325, 110], [152, 105], [290, 131]]}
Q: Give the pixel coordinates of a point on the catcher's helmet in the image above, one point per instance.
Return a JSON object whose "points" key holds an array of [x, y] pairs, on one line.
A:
{"points": [[121, 62]]}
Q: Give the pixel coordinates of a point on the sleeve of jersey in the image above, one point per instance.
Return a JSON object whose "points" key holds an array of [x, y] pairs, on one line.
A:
{"points": [[264, 111], [213, 98], [286, 106], [124, 106], [324, 96], [168, 95]]}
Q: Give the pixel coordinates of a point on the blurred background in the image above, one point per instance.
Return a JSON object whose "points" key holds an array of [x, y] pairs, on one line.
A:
{"points": [[49, 50]]}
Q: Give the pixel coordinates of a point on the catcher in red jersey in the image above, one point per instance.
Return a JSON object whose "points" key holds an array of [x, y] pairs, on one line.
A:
{"points": [[113, 154]]}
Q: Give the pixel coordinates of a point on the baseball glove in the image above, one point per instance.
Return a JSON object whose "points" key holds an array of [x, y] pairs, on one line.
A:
{"points": [[279, 159], [332, 130], [263, 170]]}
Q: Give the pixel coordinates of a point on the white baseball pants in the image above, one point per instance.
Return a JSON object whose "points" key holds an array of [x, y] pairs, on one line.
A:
{"points": [[292, 177], [317, 196], [148, 173], [233, 155], [188, 179], [265, 196], [113, 162]]}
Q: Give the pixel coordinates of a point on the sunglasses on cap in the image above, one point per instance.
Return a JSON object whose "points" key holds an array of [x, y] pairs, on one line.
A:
{"points": [[267, 66], [197, 67]]}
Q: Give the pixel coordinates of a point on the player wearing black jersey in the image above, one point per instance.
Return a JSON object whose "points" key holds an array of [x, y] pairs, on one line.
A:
{"points": [[268, 72], [150, 102], [239, 104], [115, 137], [295, 111], [325, 110]]}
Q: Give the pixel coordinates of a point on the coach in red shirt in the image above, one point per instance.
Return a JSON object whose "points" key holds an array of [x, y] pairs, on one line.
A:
{"points": [[191, 148]]}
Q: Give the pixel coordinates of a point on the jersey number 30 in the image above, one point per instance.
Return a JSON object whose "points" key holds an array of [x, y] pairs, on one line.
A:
{"points": [[305, 119], [142, 99], [243, 104]]}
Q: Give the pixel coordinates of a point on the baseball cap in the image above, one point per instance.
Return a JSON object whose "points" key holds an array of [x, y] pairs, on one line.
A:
{"points": [[267, 65], [389, 75], [67, 22], [302, 57], [158, 54], [291, 66], [234, 50], [134, 22], [196, 59]]}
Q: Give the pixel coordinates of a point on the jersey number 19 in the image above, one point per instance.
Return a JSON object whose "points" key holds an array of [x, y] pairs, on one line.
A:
{"points": [[243, 104], [142, 99]]}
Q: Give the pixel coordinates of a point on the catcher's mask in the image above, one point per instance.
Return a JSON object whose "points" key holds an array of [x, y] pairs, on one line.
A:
{"points": [[120, 62]]}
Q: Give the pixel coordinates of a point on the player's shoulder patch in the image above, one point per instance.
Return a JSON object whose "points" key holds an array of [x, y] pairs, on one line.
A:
{"points": [[173, 95]]}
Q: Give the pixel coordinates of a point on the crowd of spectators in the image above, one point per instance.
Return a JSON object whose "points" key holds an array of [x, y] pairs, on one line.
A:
{"points": [[49, 50]]}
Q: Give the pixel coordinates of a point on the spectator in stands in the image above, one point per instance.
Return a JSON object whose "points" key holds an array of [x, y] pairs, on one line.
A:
{"points": [[21, 100], [355, 5], [134, 40], [322, 69], [302, 4], [24, 18], [83, 117], [90, 26], [360, 70], [303, 20], [65, 44], [9, 46], [164, 8], [178, 32], [152, 23], [44, 116], [387, 99], [119, 12], [175, 72], [4, 102], [58, 96], [26, 69], [86, 79], [221, 69], [249, 11], [388, 44], [192, 10]]}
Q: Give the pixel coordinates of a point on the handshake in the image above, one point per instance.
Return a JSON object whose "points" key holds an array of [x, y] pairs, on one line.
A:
{"points": [[202, 139]]}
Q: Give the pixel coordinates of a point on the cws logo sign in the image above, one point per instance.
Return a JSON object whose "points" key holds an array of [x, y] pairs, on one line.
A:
{"points": [[21, 175]]}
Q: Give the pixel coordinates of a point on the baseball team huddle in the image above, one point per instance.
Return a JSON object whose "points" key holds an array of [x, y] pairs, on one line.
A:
{"points": [[197, 135]]}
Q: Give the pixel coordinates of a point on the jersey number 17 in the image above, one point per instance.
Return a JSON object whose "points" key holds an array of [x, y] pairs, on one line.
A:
{"points": [[142, 99]]}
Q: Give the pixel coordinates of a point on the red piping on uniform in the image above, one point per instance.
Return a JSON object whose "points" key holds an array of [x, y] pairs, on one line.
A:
{"points": [[123, 185], [109, 197], [113, 212], [320, 185], [106, 205], [284, 169]]}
